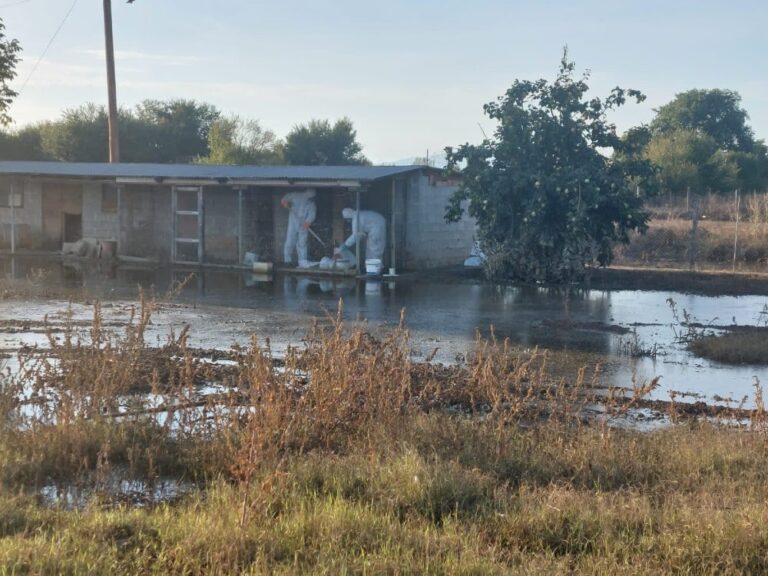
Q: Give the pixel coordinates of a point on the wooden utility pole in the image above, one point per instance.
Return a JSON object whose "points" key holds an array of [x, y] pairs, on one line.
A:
{"points": [[114, 144]]}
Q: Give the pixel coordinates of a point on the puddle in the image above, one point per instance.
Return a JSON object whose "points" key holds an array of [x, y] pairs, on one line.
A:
{"points": [[117, 491], [224, 308]]}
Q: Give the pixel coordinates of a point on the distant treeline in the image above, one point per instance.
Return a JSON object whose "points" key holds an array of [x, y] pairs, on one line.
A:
{"points": [[701, 142], [698, 142], [180, 131]]}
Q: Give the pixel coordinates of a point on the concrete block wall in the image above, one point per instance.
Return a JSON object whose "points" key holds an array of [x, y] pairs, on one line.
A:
{"points": [[430, 241], [220, 210], [162, 222], [146, 228], [96, 223], [29, 218]]}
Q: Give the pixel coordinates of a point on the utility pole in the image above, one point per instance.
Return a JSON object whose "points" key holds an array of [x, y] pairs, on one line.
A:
{"points": [[114, 144]]}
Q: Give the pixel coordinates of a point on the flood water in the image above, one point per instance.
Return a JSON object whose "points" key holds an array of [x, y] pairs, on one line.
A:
{"points": [[443, 315]]}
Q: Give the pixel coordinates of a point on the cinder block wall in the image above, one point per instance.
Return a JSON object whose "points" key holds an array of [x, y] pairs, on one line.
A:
{"points": [[96, 223], [220, 210], [430, 241], [146, 225], [29, 219]]}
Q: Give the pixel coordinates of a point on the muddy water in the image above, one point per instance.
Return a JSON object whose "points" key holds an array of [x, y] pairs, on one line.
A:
{"points": [[225, 307]]}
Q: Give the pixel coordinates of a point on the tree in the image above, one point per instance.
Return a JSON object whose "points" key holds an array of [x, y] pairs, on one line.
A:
{"points": [[717, 113], [78, 137], [9, 57], [232, 140], [22, 144], [319, 142], [154, 131], [180, 128], [546, 200], [683, 158], [701, 140]]}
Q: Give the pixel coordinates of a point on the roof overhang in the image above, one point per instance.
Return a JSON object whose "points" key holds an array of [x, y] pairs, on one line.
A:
{"points": [[201, 174], [243, 183]]}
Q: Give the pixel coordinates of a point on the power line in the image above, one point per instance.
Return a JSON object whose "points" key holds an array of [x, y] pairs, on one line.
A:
{"points": [[47, 47], [14, 3]]}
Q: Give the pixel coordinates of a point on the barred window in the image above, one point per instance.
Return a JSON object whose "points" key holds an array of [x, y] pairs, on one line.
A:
{"points": [[11, 194]]}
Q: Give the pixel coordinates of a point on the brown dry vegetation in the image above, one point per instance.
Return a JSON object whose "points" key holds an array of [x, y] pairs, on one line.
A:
{"points": [[744, 345], [346, 457], [667, 242]]}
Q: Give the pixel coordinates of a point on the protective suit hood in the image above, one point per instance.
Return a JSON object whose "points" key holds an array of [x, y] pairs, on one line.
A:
{"points": [[307, 194]]}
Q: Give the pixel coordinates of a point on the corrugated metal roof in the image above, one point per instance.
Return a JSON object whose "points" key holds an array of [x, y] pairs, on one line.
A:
{"points": [[202, 171]]}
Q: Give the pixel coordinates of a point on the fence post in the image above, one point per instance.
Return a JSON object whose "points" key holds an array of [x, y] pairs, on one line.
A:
{"points": [[694, 229], [737, 201]]}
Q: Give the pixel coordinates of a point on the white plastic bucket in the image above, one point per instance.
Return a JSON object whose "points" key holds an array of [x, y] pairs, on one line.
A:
{"points": [[373, 267]]}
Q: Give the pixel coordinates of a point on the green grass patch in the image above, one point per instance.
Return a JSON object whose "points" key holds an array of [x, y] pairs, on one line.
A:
{"points": [[532, 501], [347, 458]]}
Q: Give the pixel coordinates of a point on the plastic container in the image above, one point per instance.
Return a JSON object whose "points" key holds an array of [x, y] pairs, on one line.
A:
{"points": [[262, 267], [108, 249], [373, 267]]}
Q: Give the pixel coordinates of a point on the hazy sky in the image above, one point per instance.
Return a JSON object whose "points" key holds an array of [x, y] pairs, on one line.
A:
{"points": [[413, 75]]}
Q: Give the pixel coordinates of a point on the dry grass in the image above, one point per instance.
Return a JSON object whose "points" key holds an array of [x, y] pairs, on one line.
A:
{"points": [[345, 457], [740, 346], [667, 242]]}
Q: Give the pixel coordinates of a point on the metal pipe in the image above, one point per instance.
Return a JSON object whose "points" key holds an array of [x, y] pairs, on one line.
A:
{"points": [[357, 231], [13, 218], [393, 248], [119, 219], [174, 205], [200, 227], [240, 226]]}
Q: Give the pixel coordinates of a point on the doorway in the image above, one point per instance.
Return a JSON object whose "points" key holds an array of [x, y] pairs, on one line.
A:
{"points": [[62, 214], [73, 227]]}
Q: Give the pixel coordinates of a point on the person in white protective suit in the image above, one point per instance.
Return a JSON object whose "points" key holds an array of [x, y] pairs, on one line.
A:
{"points": [[373, 226], [301, 215]]}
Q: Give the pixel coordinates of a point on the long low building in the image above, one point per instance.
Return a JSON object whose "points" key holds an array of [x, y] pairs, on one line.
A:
{"points": [[214, 215]]}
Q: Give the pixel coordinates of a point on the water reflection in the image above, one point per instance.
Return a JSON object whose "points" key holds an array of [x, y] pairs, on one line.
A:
{"points": [[444, 315]]}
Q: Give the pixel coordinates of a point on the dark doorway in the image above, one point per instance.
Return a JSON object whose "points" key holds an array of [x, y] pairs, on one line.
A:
{"points": [[73, 227]]}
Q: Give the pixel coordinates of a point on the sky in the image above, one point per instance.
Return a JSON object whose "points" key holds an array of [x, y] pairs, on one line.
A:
{"points": [[413, 75]]}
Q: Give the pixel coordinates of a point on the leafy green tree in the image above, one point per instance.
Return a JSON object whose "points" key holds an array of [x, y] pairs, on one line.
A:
{"points": [[632, 157], [9, 57], [716, 113], [318, 142], [79, 136], [164, 132], [701, 141], [752, 167], [232, 140], [179, 128], [682, 157], [22, 144], [547, 201]]}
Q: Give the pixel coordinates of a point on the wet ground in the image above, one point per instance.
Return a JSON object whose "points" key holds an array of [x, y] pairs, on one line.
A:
{"points": [[582, 326]]}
